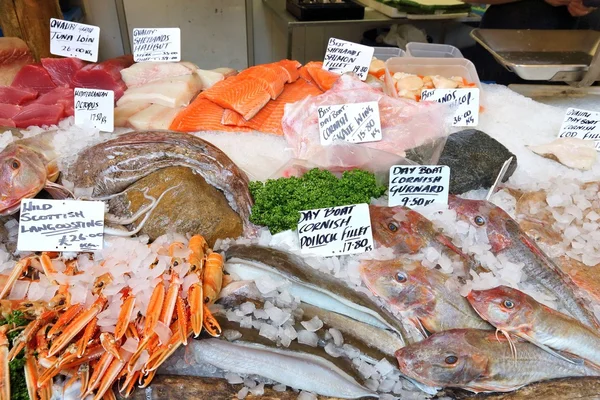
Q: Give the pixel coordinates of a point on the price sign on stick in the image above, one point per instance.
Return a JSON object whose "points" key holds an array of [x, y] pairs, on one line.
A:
{"points": [[335, 231], [418, 186], [157, 44], [581, 124], [464, 102], [342, 56], [71, 39], [60, 225], [355, 123], [95, 107]]}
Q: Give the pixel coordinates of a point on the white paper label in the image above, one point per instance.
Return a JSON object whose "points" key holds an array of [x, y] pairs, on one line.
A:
{"points": [[95, 107], [71, 39], [343, 56], [336, 230], [354, 123], [419, 186], [581, 124], [60, 225], [157, 44], [464, 102]]}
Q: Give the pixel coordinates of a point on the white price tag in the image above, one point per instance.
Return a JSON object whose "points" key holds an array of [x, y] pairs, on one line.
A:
{"points": [[60, 225], [419, 186], [342, 56], [581, 124], [354, 123], [336, 230], [464, 102], [71, 39], [157, 44], [95, 107]]}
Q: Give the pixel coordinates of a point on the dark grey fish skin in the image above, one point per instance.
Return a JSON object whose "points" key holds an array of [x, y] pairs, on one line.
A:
{"points": [[296, 270], [110, 167]]}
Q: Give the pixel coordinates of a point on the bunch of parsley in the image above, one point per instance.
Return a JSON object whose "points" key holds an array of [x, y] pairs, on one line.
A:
{"points": [[277, 202]]}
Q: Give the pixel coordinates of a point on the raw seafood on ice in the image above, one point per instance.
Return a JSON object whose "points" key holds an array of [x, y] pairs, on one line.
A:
{"points": [[169, 92], [34, 77], [570, 152], [142, 73], [39, 115], [61, 96], [153, 117], [14, 54], [105, 75], [62, 70], [18, 96]]}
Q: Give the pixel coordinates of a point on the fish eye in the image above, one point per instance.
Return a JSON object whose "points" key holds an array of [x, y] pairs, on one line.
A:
{"points": [[479, 220], [451, 360], [15, 164], [508, 304], [392, 227], [401, 277]]}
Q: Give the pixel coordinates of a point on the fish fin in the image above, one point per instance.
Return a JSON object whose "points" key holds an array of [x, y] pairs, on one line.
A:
{"points": [[57, 191], [52, 171], [417, 323], [549, 350]]}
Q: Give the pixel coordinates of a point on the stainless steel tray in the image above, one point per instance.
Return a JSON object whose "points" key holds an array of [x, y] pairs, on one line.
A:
{"points": [[541, 54]]}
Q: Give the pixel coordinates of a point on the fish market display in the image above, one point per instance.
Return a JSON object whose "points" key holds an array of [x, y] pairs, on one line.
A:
{"points": [[409, 86], [96, 317], [478, 361], [105, 75], [140, 74], [14, 54], [513, 312], [421, 294], [404, 124]]}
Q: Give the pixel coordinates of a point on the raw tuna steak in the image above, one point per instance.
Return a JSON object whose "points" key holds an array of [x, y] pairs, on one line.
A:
{"points": [[34, 77], [7, 111], [38, 115], [62, 70], [14, 55], [13, 95], [62, 96], [7, 123], [105, 75]]}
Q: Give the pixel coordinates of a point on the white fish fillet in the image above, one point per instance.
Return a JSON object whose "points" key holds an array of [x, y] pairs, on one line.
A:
{"points": [[170, 92], [153, 117], [571, 152], [208, 78], [142, 73], [123, 113], [226, 71]]}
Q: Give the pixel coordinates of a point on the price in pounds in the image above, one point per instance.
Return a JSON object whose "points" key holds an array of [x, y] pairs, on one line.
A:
{"points": [[415, 201], [67, 240], [98, 117], [356, 245], [466, 117]]}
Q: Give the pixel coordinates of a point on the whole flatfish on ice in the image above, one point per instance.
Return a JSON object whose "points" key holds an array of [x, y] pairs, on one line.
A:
{"points": [[110, 167]]}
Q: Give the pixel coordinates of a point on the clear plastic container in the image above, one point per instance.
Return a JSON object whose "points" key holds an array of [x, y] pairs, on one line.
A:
{"points": [[384, 53], [446, 67], [432, 50]]}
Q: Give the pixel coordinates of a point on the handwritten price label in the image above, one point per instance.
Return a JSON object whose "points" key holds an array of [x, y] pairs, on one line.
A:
{"points": [[336, 230], [581, 124], [61, 225], [418, 186], [464, 102], [71, 39], [157, 44], [342, 56], [354, 123], [95, 107]]}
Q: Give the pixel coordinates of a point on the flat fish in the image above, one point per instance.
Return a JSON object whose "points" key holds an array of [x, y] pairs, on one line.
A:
{"points": [[112, 166]]}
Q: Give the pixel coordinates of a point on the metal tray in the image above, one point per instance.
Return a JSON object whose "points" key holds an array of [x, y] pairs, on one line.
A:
{"points": [[537, 55]]}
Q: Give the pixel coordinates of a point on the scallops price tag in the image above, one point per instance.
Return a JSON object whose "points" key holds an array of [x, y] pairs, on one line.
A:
{"points": [[342, 56], [157, 44], [355, 123], [94, 107], [419, 186], [335, 231], [71, 39], [464, 102], [61, 225], [581, 124]]}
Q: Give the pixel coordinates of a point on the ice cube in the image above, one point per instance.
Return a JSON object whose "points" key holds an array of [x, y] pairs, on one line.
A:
{"points": [[268, 331], [384, 367], [233, 379], [246, 322], [231, 335], [277, 315], [307, 337], [313, 325], [338, 339], [332, 350], [247, 308], [386, 385], [366, 370], [306, 396], [279, 387], [242, 393]]}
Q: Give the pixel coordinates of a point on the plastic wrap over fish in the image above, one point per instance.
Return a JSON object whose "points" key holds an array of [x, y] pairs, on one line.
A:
{"points": [[405, 124]]}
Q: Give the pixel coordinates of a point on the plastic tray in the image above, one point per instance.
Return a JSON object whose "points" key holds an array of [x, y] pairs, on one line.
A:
{"points": [[385, 53], [432, 50], [446, 67]]}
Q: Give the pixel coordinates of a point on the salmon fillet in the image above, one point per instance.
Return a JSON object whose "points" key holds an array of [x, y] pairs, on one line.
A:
{"points": [[291, 67], [268, 120], [324, 79], [202, 115], [241, 94], [272, 77]]}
